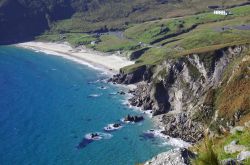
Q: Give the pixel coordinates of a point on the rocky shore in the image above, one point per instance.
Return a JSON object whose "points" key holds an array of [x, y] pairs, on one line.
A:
{"points": [[180, 93], [180, 90], [178, 156]]}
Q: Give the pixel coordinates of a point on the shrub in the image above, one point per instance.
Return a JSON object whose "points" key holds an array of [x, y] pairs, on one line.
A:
{"points": [[206, 155]]}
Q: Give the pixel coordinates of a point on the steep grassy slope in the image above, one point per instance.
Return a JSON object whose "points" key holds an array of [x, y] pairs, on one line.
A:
{"points": [[23, 19], [113, 15], [212, 151], [233, 99], [232, 103]]}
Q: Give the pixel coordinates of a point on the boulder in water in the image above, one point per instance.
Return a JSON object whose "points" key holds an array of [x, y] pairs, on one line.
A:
{"points": [[133, 118]]}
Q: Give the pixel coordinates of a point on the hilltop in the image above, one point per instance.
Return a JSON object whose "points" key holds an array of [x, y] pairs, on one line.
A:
{"points": [[24, 19]]}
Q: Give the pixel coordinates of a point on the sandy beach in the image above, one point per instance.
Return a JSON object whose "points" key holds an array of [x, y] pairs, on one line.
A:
{"points": [[81, 55]]}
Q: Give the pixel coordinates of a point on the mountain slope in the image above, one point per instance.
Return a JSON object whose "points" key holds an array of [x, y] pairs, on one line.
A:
{"points": [[24, 19]]}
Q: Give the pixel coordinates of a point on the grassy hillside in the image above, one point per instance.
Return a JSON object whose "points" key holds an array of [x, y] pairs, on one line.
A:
{"points": [[168, 38], [208, 34], [211, 151], [231, 99], [113, 15], [24, 19]]}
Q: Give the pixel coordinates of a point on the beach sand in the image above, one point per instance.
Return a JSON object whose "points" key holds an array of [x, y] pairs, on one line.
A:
{"points": [[89, 57]]}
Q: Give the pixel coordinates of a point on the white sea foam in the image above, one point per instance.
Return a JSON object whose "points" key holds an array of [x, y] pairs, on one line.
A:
{"points": [[89, 137], [113, 93], [176, 142], [95, 95], [146, 112], [105, 135], [94, 82], [100, 135], [102, 87], [108, 63], [110, 127], [54, 53], [125, 121]]}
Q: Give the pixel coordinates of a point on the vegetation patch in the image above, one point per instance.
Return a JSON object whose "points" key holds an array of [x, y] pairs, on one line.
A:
{"points": [[75, 39], [211, 151], [193, 71], [233, 98], [110, 43]]}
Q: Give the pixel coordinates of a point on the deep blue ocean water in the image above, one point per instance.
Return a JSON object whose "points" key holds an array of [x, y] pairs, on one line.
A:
{"points": [[46, 110]]}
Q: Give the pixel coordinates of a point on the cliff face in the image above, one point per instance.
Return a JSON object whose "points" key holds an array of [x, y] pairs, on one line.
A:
{"points": [[184, 90]]}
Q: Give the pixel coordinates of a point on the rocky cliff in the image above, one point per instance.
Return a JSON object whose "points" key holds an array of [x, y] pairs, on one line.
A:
{"points": [[183, 90]]}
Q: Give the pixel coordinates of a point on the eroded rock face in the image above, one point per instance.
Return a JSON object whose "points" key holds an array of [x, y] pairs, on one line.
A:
{"points": [[182, 89], [180, 125], [179, 156], [233, 148], [142, 97], [142, 73]]}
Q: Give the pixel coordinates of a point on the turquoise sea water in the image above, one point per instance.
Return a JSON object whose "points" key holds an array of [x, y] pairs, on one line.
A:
{"points": [[47, 107]]}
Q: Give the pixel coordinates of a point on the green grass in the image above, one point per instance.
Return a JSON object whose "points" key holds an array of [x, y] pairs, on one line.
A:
{"points": [[242, 137], [49, 37], [200, 39], [206, 155], [205, 38], [211, 151], [79, 39], [114, 14], [151, 57], [75, 39], [150, 31], [110, 43]]}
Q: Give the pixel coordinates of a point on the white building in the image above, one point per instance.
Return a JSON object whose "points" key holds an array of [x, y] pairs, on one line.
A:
{"points": [[222, 12]]}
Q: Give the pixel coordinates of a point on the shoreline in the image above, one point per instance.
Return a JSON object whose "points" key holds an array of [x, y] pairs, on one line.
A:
{"points": [[101, 61], [97, 60]]}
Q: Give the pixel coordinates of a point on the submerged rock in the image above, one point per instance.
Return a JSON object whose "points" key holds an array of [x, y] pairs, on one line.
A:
{"points": [[112, 127], [116, 125], [121, 92]]}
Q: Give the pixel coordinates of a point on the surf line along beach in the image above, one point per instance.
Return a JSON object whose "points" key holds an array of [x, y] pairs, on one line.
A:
{"points": [[94, 59], [110, 63]]}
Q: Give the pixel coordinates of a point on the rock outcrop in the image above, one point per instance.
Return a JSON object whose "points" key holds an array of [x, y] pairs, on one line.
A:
{"points": [[234, 148], [179, 156], [135, 118], [182, 89], [243, 155], [142, 73]]}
